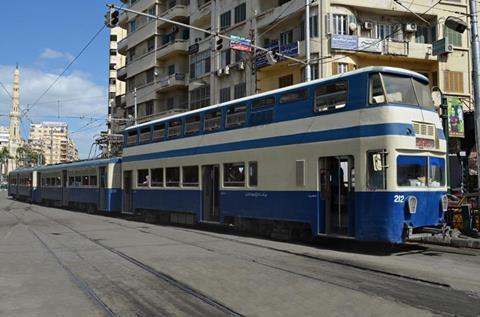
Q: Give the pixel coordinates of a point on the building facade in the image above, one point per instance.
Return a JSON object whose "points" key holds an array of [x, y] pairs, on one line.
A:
{"points": [[4, 136], [52, 140], [170, 69], [116, 108]]}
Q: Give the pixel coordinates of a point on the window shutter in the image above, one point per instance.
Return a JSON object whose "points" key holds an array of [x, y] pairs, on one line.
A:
{"points": [[334, 68], [453, 81]]}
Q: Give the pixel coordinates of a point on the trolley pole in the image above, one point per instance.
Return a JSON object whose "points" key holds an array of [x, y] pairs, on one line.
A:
{"points": [[476, 79]]}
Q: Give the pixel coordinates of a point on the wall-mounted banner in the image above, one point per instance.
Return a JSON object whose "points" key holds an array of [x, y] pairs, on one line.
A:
{"points": [[240, 43], [456, 124]]}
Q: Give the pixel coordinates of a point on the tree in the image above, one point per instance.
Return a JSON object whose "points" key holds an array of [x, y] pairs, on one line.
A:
{"points": [[4, 156], [27, 157]]}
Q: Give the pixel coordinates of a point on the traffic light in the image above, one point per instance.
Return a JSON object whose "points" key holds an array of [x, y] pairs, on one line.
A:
{"points": [[111, 18], [218, 43]]}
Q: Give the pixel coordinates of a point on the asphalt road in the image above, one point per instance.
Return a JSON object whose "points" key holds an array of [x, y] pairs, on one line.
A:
{"points": [[55, 262]]}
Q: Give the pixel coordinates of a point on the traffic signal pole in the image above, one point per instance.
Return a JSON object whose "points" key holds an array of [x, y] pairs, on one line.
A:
{"points": [[217, 34], [476, 79]]}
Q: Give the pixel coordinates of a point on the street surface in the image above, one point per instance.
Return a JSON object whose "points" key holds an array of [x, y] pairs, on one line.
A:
{"points": [[55, 262]]}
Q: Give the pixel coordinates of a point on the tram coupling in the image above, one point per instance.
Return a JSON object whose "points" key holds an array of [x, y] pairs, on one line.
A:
{"points": [[416, 233]]}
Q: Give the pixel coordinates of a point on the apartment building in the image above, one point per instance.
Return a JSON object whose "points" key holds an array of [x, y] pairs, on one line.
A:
{"points": [[116, 106], [4, 137], [170, 69], [52, 140]]}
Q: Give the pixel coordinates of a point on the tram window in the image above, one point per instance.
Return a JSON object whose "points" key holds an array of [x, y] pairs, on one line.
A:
{"points": [[142, 178], [71, 181], [158, 132], [212, 120], [377, 95], [252, 174], [234, 174], [190, 176], [145, 134], [300, 172], [293, 96], [424, 95], [376, 169], [132, 137], [85, 181], [174, 129], [93, 180], [78, 180], [331, 96], [436, 172], [58, 181], [172, 176], [263, 103], [412, 171], [157, 177], [399, 89], [236, 116], [192, 125]]}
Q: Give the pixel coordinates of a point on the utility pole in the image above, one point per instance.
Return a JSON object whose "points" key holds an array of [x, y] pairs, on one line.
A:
{"points": [[51, 145], [135, 105], [476, 79], [308, 75]]}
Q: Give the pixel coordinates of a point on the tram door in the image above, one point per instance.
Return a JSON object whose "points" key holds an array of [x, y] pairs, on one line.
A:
{"points": [[211, 192], [102, 173], [337, 185], [127, 191], [64, 188]]}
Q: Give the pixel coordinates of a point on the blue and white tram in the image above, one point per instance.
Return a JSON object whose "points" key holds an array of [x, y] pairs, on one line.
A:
{"points": [[361, 154], [85, 185], [21, 184]]}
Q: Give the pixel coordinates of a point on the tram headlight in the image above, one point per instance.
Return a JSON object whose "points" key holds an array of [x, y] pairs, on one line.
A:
{"points": [[412, 204], [444, 203]]}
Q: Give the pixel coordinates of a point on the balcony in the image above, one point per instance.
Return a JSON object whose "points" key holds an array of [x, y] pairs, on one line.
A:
{"points": [[200, 15], [176, 46], [122, 46], [143, 32], [176, 10], [269, 16], [171, 82], [141, 5], [123, 20], [395, 48], [122, 73]]}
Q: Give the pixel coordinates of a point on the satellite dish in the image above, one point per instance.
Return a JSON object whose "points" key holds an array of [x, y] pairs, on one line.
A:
{"points": [[352, 26]]}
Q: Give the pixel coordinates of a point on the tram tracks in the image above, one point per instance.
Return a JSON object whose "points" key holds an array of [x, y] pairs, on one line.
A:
{"points": [[216, 306]]}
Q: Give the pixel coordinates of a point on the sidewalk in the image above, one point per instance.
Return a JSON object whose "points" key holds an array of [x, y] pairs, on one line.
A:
{"points": [[455, 239]]}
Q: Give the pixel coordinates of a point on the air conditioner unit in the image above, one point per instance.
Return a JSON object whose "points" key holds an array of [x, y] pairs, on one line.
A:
{"points": [[198, 39], [449, 48], [241, 65], [367, 25], [226, 70], [410, 27], [220, 72]]}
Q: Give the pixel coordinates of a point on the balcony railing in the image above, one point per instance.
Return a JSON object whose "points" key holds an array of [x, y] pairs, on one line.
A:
{"points": [[174, 79]]}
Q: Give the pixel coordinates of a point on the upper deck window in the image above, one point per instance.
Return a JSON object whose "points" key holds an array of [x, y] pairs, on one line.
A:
{"points": [[331, 96], [132, 137], [174, 128], [263, 103], [192, 125], [212, 121], [145, 134], [399, 89], [293, 96], [235, 116], [158, 132]]}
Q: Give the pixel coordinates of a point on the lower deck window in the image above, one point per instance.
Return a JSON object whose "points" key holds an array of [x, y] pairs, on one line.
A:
{"points": [[252, 174], [436, 172], [142, 178], [412, 171], [190, 176], [234, 174], [376, 169], [172, 176], [157, 177]]}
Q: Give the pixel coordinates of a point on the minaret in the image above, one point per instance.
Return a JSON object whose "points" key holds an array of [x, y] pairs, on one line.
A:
{"points": [[14, 140]]}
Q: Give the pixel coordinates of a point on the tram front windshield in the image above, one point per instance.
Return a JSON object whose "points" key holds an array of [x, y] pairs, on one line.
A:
{"points": [[400, 89], [420, 171]]}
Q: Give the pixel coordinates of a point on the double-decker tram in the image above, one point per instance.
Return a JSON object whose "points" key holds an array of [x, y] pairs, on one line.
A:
{"points": [[360, 154]]}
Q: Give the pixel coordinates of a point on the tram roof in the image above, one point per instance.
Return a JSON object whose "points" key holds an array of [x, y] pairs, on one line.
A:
{"points": [[370, 69], [77, 164]]}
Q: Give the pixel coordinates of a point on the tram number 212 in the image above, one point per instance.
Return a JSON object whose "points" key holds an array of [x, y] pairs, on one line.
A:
{"points": [[398, 199]]}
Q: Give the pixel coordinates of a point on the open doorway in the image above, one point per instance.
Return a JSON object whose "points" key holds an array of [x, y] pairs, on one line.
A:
{"points": [[211, 192], [337, 186], [127, 192]]}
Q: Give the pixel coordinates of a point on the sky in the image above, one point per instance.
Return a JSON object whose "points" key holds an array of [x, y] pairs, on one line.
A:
{"points": [[43, 37]]}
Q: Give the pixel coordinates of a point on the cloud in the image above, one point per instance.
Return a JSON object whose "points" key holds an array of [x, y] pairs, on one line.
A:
{"points": [[49, 53], [74, 95]]}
